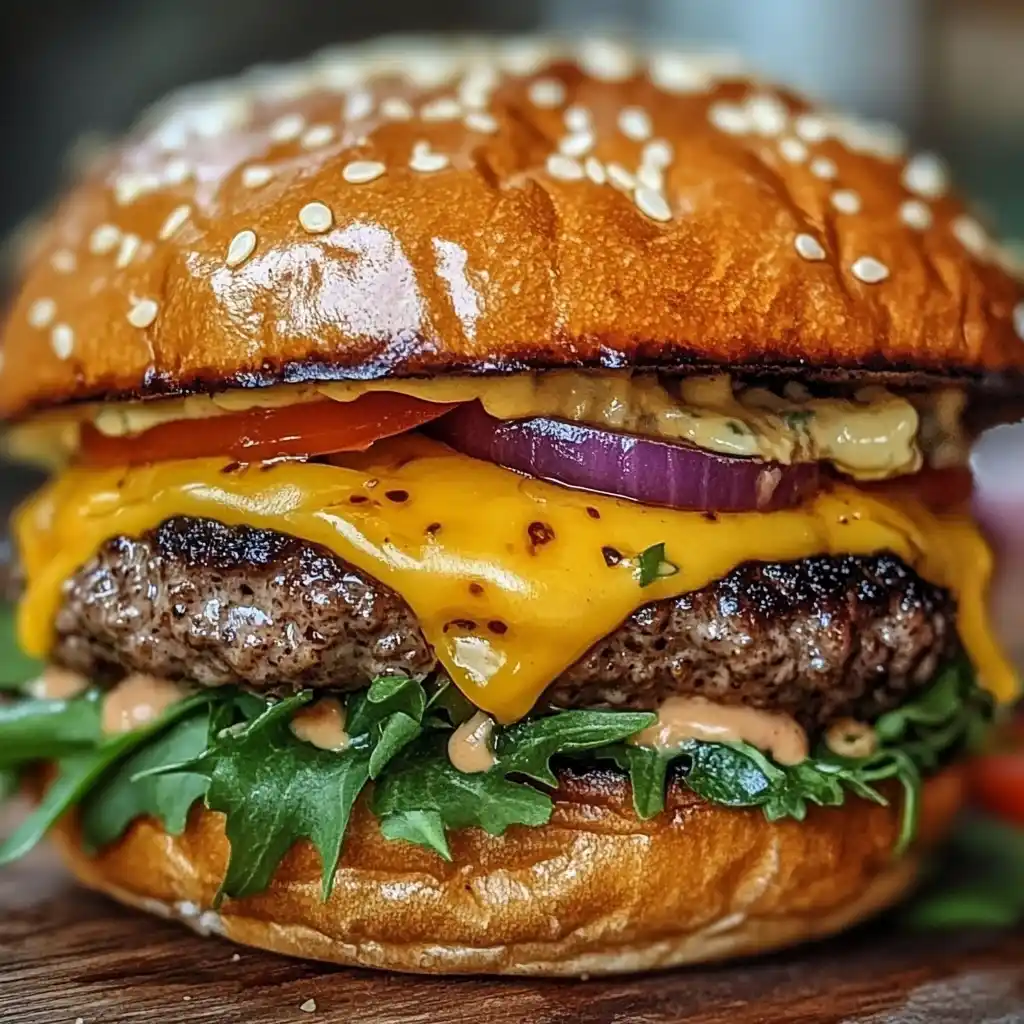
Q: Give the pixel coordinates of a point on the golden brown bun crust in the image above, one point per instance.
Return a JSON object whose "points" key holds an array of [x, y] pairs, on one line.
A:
{"points": [[495, 261], [594, 891]]}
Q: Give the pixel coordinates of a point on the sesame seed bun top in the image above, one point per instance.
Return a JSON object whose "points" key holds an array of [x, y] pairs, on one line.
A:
{"points": [[409, 209]]}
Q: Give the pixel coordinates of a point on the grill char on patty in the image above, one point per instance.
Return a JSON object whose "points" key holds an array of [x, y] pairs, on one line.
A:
{"points": [[819, 638]]}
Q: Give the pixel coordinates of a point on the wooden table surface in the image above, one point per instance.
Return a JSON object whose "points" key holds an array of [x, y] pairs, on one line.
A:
{"points": [[67, 954]]}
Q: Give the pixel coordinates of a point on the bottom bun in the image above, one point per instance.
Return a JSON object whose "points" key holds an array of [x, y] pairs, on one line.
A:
{"points": [[595, 891]]}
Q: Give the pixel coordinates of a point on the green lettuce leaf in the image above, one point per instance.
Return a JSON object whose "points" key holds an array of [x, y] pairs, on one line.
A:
{"points": [[79, 773], [45, 730], [915, 739], [275, 789], [424, 795], [120, 797], [16, 668]]}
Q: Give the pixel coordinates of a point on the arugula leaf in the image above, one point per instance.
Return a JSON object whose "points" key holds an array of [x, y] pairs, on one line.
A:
{"points": [[914, 739], [652, 565], [78, 774], [424, 780], [274, 789], [42, 730], [648, 770], [527, 747], [423, 828], [981, 882], [16, 667], [390, 713], [120, 798]]}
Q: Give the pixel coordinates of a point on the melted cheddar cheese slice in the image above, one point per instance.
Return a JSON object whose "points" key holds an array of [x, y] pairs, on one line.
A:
{"points": [[512, 579]]}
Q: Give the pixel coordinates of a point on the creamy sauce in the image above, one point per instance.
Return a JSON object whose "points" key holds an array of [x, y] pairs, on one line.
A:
{"points": [[136, 701], [850, 738], [872, 435], [469, 748], [322, 724], [58, 684], [694, 718]]}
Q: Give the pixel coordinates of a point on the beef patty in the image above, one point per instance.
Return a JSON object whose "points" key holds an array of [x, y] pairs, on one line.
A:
{"points": [[820, 637]]}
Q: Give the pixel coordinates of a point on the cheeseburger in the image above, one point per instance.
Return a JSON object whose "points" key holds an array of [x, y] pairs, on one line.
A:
{"points": [[509, 512]]}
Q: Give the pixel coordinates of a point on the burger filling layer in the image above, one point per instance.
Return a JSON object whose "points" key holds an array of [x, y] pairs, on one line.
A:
{"points": [[442, 634]]}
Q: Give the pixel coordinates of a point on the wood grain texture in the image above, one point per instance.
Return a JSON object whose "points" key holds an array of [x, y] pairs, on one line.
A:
{"points": [[66, 954]]}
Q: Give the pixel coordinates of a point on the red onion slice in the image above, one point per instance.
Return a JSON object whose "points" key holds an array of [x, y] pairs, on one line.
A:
{"points": [[627, 466]]}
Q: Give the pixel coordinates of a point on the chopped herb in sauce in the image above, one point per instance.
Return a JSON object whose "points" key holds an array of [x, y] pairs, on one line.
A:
{"points": [[652, 565], [798, 417]]}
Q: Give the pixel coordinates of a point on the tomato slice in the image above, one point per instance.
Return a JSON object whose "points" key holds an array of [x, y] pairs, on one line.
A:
{"points": [[256, 435], [997, 778], [997, 781]]}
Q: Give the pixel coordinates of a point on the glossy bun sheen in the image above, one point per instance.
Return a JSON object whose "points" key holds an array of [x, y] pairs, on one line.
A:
{"points": [[420, 209], [594, 891]]}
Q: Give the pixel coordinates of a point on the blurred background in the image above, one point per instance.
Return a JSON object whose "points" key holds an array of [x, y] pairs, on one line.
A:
{"points": [[951, 72]]}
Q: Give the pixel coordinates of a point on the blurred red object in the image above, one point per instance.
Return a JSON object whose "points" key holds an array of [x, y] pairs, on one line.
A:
{"points": [[998, 464], [997, 779]]}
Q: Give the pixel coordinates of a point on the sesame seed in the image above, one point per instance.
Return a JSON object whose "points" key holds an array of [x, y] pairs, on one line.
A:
{"points": [[359, 172], [971, 235], [652, 203], [235, 957], [481, 121], [926, 175], [316, 136], [358, 104], [768, 114], [565, 168], [128, 187], [657, 153], [916, 215], [104, 239], [143, 313], [175, 219], [309, 1006], [809, 247], [620, 177], [444, 108], [41, 313], [577, 144], [546, 92], [256, 175], [650, 177], [130, 246], [672, 72], [595, 170], [811, 128], [241, 247], [1018, 320], [793, 150], [64, 261], [425, 161], [823, 167], [286, 128], [577, 119], [476, 87], [635, 124], [729, 118], [845, 200], [869, 270], [177, 171], [62, 341], [606, 60], [397, 109], [316, 218]]}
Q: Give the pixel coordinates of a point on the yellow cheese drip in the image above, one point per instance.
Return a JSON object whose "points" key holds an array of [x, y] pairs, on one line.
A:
{"points": [[509, 576]]}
